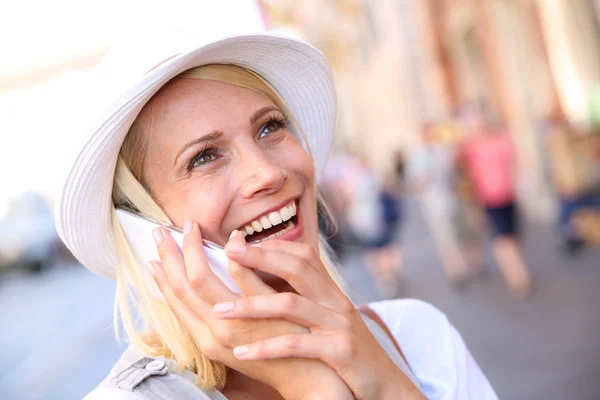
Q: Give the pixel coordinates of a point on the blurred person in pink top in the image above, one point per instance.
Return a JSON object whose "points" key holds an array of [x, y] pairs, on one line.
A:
{"points": [[488, 155]]}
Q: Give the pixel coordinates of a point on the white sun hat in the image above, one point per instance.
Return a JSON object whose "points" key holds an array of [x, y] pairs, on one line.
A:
{"points": [[132, 73]]}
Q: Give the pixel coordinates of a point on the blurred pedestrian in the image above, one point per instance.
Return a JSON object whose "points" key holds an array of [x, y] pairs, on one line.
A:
{"points": [[574, 169], [384, 254], [434, 171], [489, 157], [370, 209]]}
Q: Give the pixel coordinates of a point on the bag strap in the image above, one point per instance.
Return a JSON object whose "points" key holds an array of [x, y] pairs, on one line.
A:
{"points": [[373, 315]]}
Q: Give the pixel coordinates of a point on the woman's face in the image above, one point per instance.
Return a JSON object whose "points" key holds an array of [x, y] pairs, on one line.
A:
{"points": [[223, 156]]}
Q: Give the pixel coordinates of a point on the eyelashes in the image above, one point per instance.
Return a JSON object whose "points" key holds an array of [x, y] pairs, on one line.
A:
{"points": [[280, 122], [284, 120]]}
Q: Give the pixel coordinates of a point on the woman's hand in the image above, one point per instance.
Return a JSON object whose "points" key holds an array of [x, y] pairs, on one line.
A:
{"points": [[337, 333], [191, 289]]}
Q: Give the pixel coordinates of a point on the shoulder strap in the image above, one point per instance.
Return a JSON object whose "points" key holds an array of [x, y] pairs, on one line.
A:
{"points": [[137, 372], [373, 315]]}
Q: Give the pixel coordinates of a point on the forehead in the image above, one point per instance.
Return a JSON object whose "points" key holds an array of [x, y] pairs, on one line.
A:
{"points": [[187, 109], [185, 98]]}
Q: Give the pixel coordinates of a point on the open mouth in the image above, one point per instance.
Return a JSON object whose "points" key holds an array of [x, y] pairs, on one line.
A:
{"points": [[271, 225]]}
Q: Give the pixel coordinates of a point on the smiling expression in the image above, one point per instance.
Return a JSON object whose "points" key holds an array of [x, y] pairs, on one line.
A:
{"points": [[222, 155]]}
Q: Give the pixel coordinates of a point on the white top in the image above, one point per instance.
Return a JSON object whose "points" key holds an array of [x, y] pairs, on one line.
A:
{"points": [[433, 348], [435, 351]]}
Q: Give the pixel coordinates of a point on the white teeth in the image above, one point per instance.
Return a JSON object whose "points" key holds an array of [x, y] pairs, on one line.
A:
{"points": [[270, 220], [275, 218], [257, 226], [290, 225], [266, 224], [285, 213]]}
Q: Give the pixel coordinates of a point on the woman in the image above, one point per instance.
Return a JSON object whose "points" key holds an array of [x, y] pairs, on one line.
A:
{"points": [[226, 140], [489, 157]]}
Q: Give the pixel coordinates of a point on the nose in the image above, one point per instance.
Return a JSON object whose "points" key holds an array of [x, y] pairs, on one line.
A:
{"points": [[264, 176]]}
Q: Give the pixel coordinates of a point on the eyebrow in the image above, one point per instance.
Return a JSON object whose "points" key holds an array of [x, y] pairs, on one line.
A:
{"points": [[211, 137], [259, 113]]}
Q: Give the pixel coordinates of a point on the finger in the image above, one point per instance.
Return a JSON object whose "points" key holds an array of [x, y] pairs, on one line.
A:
{"points": [[302, 250], [198, 272], [189, 312], [288, 306], [170, 257], [245, 278], [315, 346], [303, 278], [189, 317]]}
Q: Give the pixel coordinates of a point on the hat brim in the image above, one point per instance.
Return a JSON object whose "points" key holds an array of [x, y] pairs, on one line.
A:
{"points": [[297, 71]]}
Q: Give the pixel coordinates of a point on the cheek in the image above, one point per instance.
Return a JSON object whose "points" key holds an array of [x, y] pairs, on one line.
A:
{"points": [[297, 161], [191, 202]]}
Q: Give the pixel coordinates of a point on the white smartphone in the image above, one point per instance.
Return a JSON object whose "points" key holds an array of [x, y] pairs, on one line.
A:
{"points": [[138, 231]]}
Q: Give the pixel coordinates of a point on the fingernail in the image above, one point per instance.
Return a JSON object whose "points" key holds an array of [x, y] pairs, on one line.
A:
{"points": [[240, 351], [223, 307], [235, 246], [187, 227], [157, 235]]}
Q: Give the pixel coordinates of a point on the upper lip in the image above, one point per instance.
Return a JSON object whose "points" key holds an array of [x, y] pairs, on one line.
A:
{"points": [[264, 213]]}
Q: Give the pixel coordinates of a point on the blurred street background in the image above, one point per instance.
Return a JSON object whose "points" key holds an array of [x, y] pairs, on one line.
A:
{"points": [[466, 173]]}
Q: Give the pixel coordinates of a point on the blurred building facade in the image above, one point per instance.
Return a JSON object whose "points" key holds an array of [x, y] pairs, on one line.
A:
{"points": [[400, 64]]}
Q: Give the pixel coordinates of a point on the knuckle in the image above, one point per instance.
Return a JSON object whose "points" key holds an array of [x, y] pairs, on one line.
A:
{"points": [[346, 345], [179, 289], [308, 252], [223, 335], [197, 281], [211, 349], [259, 348], [346, 307], [243, 303], [259, 252], [291, 342], [297, 268], [236, 271], [289, 302], [162, 253], [168, 259]]}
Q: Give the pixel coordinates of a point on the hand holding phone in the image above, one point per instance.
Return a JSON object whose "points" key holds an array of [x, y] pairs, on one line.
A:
{"points": [[138, 232]]}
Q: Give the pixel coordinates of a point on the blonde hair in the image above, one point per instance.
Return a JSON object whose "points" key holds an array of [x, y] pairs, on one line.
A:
{"points": [[157, 331]]}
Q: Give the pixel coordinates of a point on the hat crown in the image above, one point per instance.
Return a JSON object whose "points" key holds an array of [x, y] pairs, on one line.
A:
{"points": [[132, 58]]}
